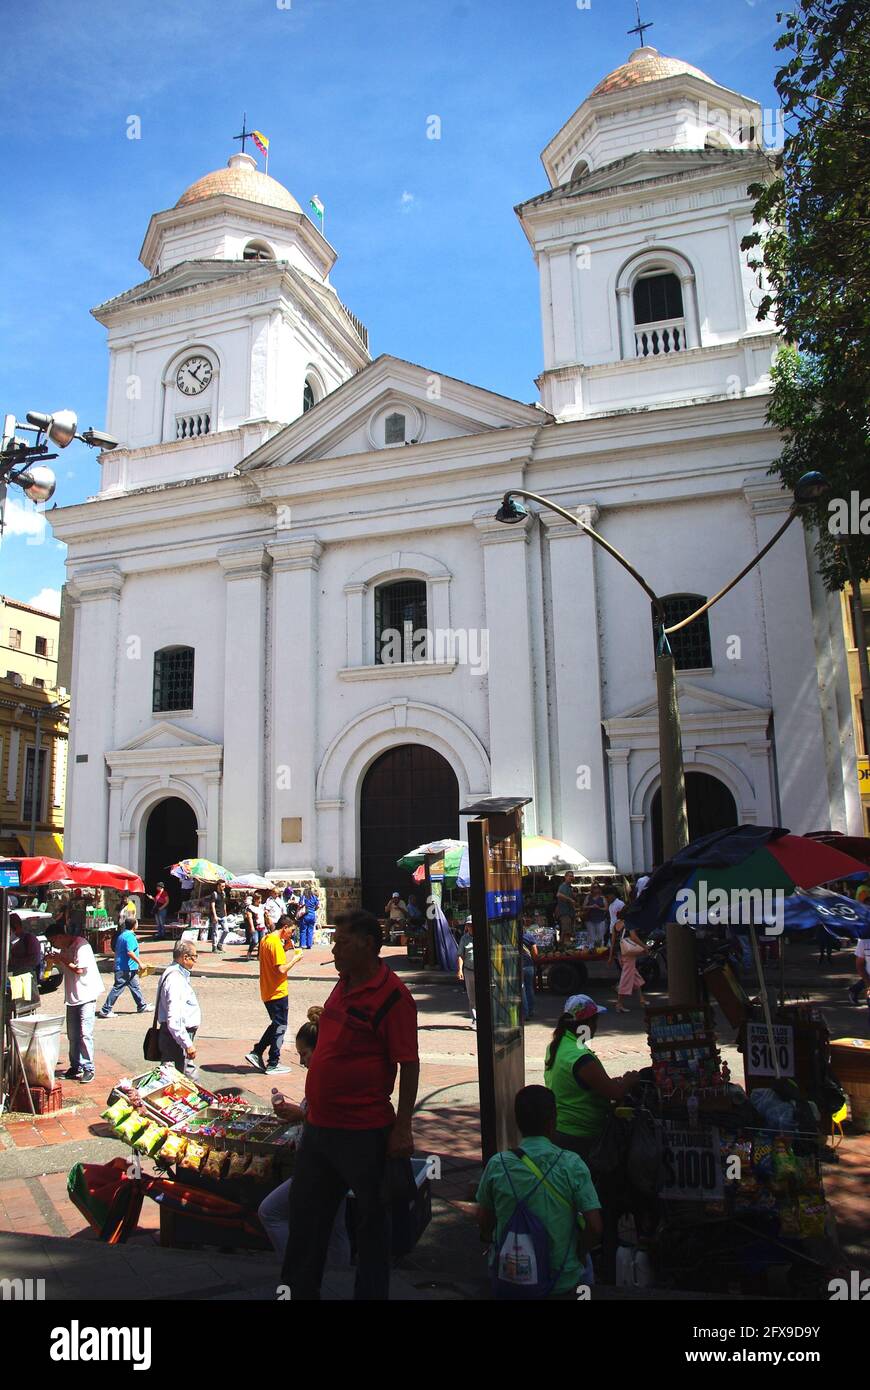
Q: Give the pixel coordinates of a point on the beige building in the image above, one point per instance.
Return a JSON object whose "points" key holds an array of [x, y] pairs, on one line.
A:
{"points": [[855, 691], [33, 712]]}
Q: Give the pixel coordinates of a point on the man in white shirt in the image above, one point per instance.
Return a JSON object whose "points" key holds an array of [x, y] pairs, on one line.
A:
{"points": [[615, 905], [178, 1011], [82, 987], [274, 910]]}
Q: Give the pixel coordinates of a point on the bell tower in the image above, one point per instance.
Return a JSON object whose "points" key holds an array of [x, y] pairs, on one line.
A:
{"points": [[237, 331], [646, 297]]}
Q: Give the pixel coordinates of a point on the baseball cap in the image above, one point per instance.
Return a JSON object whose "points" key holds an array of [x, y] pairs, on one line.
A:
{"points": [[395, 895], [582, 1007]]}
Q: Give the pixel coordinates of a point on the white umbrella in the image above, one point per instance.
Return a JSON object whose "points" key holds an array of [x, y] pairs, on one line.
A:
{"points": [[251, 881]]}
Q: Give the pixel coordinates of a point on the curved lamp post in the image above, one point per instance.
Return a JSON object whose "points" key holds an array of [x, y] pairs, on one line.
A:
{"points": [[812, 487]]}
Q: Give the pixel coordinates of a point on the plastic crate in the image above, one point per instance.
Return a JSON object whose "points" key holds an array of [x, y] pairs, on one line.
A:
{"points": [[45, 1102]]}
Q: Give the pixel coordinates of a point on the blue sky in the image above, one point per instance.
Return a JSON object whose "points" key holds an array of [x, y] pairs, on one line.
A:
{"points": [[431, 256]]}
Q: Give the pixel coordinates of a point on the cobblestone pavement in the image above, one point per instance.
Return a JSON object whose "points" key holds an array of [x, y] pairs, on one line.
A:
{"points": [[36, 1155]]}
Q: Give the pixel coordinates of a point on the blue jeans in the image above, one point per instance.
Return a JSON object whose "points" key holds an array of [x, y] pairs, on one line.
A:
{"points": [[80, 1032], [528, 991], [273, 1038], [306, 935], [218, 932], [160, 919], [124, 979]]}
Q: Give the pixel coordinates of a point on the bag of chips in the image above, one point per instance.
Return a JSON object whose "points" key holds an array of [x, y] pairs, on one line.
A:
{"points": [[173, 1147], [130, 1128], [260, 1167], [238, 1165], [216, 1163], [118, 1112], [151, 1138], [194, 1155]]}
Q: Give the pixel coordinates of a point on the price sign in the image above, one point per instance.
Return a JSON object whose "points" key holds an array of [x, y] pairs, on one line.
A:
{"points": [[760, 1055], [9, 875], [692, 1162]]}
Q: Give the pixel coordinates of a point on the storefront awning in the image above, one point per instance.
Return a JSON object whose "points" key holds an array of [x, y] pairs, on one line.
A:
{"points": [[48, 844]]}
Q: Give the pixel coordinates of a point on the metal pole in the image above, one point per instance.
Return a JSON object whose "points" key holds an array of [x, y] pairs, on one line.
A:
{"points": [[859, 627], [5, 1049], [675, 821]]}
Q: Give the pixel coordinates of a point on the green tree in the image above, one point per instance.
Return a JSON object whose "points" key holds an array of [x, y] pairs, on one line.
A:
{"points": [[811, 252]]}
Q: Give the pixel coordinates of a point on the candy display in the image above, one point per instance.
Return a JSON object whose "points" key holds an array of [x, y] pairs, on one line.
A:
{"points": [[216, 1163], [685, 1058], [172, 1147], [194, 1155]]}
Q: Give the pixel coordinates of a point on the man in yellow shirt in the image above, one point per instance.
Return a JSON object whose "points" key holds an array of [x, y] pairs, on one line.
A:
{"points": [[275, 966]]}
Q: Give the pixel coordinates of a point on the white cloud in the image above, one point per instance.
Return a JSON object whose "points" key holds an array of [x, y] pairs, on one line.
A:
{"points": [[24, 521], [47, 599], [406, 201]]}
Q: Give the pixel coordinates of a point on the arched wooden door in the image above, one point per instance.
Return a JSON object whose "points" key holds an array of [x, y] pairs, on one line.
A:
{"points": [[710, 807], [170, 835], [409, 795]]}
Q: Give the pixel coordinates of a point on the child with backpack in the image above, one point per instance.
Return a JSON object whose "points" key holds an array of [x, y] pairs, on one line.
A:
{"points": [[538, 1209]]}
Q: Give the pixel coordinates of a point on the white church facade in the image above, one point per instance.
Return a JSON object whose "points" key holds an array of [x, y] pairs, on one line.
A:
{"points": [[302, 641]]}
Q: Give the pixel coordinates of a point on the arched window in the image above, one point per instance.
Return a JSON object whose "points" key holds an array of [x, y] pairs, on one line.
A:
{"points": [[691, 645], [580, 168], [258, 251], [308, 397], [400, 622], [173, 679], [658, 314], [394, 429]]}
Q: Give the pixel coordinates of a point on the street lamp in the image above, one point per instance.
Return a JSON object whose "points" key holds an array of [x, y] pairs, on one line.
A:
{"points": [[23, 463], [811, 487]]}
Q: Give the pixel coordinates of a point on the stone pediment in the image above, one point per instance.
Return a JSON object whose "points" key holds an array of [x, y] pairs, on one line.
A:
{"points": [[698, 706], [351, 420], [165, 735], [187, 275]]}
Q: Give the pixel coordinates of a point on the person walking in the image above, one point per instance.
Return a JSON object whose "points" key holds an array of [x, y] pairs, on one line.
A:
{"points": [[217, 911], [465, 968], [628, 947], [161, 907], [255, 924], [127, 967], [307, 918], [177, 1013], [82, 987], [274, 969], [368, 1032]]}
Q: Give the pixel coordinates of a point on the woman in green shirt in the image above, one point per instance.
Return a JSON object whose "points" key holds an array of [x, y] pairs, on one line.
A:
{"points": [[582, 1088]]}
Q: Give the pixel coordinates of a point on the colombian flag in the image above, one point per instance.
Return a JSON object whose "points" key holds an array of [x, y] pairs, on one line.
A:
{"points": [[260, 141]]}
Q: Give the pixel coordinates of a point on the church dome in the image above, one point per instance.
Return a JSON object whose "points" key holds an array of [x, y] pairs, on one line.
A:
{"points": [[240, 179], [645, 65]]}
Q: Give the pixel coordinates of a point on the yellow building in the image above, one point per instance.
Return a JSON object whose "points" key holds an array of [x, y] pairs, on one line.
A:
{"points": [[31, 708], [855, 690]]}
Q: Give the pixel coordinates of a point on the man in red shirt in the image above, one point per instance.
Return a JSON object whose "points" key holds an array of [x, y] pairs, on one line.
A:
{"points": [[368, 1030]]}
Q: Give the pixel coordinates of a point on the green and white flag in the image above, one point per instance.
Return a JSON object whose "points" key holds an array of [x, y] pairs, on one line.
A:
{"points": [[317, 208]]}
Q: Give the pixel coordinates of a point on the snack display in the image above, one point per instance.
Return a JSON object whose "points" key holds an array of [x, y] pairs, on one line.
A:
{"points": [[216, 1163], [172, 1147], [260, 1167], [131, 1127], [238, 1165], [117, 1112]]}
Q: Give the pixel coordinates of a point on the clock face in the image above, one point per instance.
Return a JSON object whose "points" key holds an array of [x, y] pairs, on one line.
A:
{"points": [[193, 375]]}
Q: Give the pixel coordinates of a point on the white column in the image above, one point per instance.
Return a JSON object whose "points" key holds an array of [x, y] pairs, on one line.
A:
{"points": [[246, 573], [580, 791], [213, 849], [626, 322], [511, 706], [116, 851], [294, 698], [765, 813], [620, 809], [355, 598], [690, 311], [92, 710], [791, 658]]}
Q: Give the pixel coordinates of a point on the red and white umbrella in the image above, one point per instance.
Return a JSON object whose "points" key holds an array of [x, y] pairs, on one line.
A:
{"points": [[85, 875]]}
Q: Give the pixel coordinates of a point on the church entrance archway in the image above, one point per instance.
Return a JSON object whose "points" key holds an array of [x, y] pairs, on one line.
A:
{"points": [[710, 807], [170, 835], [409, 794]]}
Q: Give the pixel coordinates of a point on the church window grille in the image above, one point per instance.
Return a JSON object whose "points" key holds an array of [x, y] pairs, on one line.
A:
{"points": [[258, 251], [394, 429], [173, 679], [400, 612], [691, 645], [308, 397]]}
